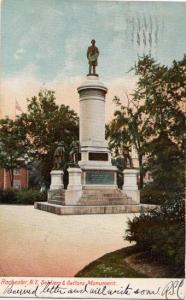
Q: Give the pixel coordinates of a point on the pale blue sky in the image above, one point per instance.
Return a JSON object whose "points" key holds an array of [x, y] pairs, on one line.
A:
{"points": [[50, 37]]}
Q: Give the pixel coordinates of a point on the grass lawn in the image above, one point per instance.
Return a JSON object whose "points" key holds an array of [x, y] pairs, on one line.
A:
{"points": [[112, 265], [126, 262]]}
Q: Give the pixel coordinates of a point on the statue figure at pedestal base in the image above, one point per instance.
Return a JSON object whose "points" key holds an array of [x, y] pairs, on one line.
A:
{"points": [[59, 156]]}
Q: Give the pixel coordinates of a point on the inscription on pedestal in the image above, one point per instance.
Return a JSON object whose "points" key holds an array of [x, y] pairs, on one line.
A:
{"points": [[99, 177], [98, 156]]}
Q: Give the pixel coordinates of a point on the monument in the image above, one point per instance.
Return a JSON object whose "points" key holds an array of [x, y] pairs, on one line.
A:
{"points": [[92, 187]]}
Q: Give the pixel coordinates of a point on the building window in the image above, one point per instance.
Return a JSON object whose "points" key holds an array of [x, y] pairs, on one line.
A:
{"points": [[17, 184]]}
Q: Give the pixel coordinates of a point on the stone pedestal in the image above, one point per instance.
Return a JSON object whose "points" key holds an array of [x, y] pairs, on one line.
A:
{"points": [[74, 190], [98, 172], [56, 180], [130, 186], [56, 193]]}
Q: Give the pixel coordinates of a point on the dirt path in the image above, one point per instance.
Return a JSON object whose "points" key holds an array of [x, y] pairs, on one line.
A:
{"points": [[37, 243]]}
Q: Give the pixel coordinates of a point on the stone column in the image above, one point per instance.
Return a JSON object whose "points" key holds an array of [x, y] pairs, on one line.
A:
{"points": [[92, 113], [130, 186], [95, 155], [56, 180], [74, 190]]}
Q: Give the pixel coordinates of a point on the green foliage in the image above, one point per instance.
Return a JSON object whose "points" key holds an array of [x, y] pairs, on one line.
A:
{"points": [[162, 233], [13, 146], [35, 176], [153, 120], [8, 196], [48, 124], [162, 90], [127, 129], [166, 164], [30, 196], [117, 130], [24, 197], [151, 195]]}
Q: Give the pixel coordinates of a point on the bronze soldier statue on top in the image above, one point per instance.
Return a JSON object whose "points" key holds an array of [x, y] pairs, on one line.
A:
{"points": [[59, 156], [92, 55]]}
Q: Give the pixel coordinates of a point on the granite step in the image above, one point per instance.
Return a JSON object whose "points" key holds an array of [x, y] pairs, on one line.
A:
{"points": [[104, 198], [101, 196], [59, 197], [96, 197], [56, 202], [95, 203], [105, 201], [83, 210], [102, 191], [56, 195]]}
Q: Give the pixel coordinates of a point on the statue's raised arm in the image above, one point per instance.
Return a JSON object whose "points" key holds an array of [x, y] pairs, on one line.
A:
{"points": [[92, 55]]}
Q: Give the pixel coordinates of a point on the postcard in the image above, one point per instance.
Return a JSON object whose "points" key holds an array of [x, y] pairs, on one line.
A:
{"points": [[92, 149]]}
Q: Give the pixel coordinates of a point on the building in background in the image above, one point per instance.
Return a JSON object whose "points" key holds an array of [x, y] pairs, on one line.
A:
{"points": [[20, 179], [21, 175]]}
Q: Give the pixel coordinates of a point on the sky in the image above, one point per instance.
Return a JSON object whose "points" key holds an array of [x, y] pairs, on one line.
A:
{"points": [[44, 44]]}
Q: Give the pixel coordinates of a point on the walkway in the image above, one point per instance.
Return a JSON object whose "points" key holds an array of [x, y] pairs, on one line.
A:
{"points": [[37, 243]]}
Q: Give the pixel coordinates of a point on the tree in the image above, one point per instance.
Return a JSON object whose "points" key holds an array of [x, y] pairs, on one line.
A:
{"points": [[13, 146], [156, 113], [35, 177], [47, 124], [117, 131], [161, 91], [166, 164], [128, 129]]}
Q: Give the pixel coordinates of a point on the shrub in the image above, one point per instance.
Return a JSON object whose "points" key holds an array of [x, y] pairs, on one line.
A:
{"points": [[161, 233], [24, 197], [151, 195], [8, 196], [30, 196]]}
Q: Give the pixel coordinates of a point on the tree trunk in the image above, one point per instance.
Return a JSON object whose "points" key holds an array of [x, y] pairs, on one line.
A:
{"points": [[11, 176], [140, 158]]}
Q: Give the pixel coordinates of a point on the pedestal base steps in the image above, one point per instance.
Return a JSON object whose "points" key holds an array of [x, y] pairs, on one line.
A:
{"points": [[56, 197], [94, 197], [88, 210], [92, 201]]}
